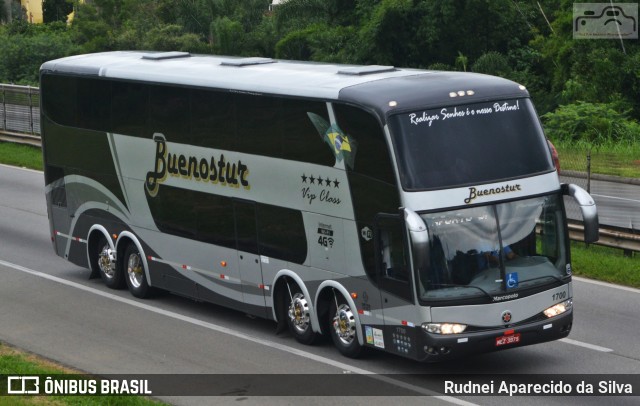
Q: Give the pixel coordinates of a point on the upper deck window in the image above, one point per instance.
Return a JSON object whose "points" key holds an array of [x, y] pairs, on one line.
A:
{"points": [[469, 144]]}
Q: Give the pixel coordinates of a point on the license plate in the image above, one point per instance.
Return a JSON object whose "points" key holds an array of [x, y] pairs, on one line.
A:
{"points": [[506, 340]]}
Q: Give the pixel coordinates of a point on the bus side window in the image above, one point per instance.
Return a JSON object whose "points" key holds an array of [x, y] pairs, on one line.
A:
{"points": [[391, 248]]}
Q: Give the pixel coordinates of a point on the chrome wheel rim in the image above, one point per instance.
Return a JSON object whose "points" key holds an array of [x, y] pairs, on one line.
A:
{"points": [[344, 324], [135, 270], [105, 263], [299, 313]]}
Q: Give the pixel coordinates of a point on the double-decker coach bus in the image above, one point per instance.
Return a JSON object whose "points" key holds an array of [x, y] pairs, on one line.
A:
{"points": [[411, 211]]}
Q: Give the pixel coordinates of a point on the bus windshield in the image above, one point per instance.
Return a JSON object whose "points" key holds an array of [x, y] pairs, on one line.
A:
{"points": [[469, 144], [494, 250]]}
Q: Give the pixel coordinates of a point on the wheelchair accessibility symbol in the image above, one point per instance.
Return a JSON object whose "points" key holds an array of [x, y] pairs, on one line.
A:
{"points": [[512, 280]]}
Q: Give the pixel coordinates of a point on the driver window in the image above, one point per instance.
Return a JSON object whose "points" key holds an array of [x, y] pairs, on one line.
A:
{"points": [[393, 266]]}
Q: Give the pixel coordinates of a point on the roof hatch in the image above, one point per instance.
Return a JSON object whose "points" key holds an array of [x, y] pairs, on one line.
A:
{"points": [[246, 61], [366, 70], [159, 56]]}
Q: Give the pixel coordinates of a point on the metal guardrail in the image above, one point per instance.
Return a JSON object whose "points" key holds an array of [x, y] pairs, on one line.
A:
{"points": [[613, 237], [20, 114]]}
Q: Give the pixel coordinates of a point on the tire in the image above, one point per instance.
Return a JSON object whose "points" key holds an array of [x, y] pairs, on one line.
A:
{"points": [[298, 315], [343, 327], [105, 262], [135, 274]]}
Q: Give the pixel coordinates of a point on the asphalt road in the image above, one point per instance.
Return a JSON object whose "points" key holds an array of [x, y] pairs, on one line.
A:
{"points": [[50, 307], [618, 203]]}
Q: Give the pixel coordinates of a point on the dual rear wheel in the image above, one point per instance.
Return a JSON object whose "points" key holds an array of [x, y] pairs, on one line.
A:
{"points": [[129, 271], [341, 321]]}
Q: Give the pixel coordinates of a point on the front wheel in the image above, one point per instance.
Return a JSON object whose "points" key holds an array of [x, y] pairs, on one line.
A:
{"points": [[135, 274], [343, 327]]}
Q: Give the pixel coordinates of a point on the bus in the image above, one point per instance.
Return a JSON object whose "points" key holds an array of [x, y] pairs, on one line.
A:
{"points": [[411, 211]]}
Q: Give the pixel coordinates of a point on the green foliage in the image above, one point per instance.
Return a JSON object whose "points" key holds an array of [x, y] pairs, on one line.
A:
{"points": [[227, 35], [605, 264], [492, 63], [24, 47], [528, 42], [24, 156], [594, 123]]}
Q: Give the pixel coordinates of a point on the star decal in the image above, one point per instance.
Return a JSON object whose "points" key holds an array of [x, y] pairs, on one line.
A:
{"points": [[325, 182]]}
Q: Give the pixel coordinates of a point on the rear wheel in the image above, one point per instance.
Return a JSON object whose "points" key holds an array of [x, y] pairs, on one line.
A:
{"points": [[105, 259], [343, 327], [298, 315], [135, 271]]}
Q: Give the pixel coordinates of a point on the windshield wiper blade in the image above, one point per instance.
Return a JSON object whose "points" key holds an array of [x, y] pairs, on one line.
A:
{"points": [[451, 285]]}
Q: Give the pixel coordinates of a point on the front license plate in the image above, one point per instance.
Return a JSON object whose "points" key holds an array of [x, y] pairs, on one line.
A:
{"points": [[506, 340]]}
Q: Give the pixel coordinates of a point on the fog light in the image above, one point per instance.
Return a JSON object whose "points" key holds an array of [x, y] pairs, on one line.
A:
{"points": [[444, 328], [558, 309]]}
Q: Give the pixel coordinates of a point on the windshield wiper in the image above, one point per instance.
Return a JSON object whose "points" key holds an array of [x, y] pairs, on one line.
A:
{"points": [[451, 285]]}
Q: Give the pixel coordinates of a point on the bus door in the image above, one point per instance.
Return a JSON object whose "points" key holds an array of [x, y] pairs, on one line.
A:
{"points": [[395, 283], [60, 216], [249, 263]]}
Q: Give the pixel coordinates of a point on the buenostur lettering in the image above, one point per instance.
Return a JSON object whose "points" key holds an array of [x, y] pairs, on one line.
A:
{"points": [[219, 171], [474, 192]]}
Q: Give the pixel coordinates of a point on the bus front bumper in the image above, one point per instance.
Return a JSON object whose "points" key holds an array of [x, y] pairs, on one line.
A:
{"points": [[437, 347]]}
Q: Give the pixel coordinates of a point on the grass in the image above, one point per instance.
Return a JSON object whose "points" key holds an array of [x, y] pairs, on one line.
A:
{"points": [[16, 362], [605, 264], [615, 159], [24, 156]]}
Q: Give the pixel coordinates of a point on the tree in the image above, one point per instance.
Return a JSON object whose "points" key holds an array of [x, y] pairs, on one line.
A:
{"points": [[492, 63]]}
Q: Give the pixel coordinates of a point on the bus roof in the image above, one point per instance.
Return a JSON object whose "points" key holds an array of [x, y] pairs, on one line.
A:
{"points": [[371, 86]]}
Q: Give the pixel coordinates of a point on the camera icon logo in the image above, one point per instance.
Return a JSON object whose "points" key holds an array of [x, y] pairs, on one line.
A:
{"points": [[605, 20]]}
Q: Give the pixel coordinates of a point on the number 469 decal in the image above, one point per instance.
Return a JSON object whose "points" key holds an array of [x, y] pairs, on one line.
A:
{"points": [[325, 241]]}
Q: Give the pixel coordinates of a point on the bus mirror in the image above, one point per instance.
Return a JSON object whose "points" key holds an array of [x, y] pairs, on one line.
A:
{"points": [[588, 209], [419, 238]]}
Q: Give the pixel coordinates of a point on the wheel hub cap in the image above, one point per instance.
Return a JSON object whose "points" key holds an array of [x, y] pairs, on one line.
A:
{"points": [[299, 313], [344, 324]]}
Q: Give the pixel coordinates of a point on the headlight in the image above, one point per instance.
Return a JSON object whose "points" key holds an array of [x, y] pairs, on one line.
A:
{"points": [[444, 328], [558, 309]]}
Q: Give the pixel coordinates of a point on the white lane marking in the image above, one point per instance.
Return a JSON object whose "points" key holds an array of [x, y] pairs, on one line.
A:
{"points": [[586, 345], [237, 334], [617, 198], [609, 285]]}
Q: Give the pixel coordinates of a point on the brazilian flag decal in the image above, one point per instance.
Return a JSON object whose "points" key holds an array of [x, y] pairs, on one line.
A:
{"points": [[342, 146]]}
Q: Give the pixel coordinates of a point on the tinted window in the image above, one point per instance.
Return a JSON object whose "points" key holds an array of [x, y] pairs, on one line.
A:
{"points": [[94, 104], [246, 228], [169, 112], [272, 231], [469, 144], [281, 233], [129, 109], [258, 127], [215, 219], [58, 99], [173, 212], [301, 140], [213, 123], [372, 154], [392, 259]]}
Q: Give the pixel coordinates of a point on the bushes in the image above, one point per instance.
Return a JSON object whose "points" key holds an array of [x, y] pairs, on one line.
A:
{"points": [[594, 123]]}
